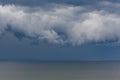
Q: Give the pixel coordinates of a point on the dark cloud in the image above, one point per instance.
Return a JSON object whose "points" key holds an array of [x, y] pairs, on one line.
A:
{"points": [[20, 41], [63, 24], [13, 49], [43, 2]]}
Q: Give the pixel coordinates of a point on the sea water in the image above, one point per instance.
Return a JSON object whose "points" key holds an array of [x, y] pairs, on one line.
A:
{"points": [[60, 70]]}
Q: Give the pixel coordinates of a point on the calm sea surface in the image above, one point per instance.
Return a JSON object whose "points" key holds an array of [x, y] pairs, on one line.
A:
{"points": [[59, 70]]}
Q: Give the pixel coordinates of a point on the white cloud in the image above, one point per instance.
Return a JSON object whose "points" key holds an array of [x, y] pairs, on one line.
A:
{"points": [[63, 24]]}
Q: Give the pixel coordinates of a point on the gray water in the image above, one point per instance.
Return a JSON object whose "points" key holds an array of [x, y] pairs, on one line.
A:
{"points": [[59, 70]]}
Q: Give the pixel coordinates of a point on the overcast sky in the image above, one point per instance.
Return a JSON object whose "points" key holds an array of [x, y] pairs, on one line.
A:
{"points": [[60, 30]]}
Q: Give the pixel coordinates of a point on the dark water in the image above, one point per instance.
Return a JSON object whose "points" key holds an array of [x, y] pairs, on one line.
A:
{"points": [[59, 70]]}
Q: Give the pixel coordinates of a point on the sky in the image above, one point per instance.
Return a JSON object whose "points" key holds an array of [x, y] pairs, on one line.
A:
{"points": [[64, 30]]}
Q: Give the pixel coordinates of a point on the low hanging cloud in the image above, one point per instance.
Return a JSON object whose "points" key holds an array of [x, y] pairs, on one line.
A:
{"points": [[63, 24]]}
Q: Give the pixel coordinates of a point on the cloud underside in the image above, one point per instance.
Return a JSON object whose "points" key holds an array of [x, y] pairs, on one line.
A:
{"points": [[64, 24]]}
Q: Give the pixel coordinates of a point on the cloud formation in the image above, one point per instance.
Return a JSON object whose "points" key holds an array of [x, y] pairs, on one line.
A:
{"points": [[64, 24]]}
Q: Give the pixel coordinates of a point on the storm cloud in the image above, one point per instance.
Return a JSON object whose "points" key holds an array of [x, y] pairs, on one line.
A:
{"points": [[63, 24]]}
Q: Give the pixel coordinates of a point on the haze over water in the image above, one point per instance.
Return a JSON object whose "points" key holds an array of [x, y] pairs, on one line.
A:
{"points": [[59, 70]]}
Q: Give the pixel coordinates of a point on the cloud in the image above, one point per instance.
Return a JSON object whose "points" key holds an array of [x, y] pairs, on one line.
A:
{"points": [[63, 24]]}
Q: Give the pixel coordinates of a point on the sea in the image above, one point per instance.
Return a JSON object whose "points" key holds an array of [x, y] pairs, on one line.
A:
{"points": [[84, 70]]}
